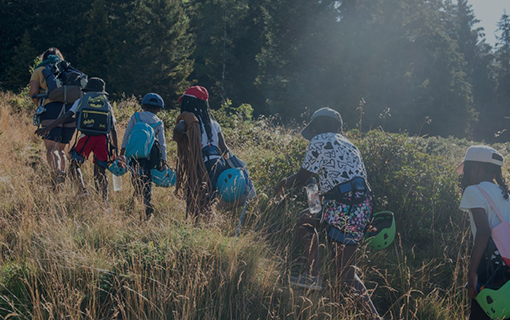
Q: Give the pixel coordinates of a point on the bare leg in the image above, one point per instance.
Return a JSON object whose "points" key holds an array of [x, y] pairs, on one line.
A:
{"points": [[78, 177], [53, 155], [62, 155], [101, 181], [345, 265], [309, 238]]}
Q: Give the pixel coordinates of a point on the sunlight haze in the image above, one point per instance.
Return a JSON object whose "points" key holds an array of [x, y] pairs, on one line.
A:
{"points": [[489, 12]]}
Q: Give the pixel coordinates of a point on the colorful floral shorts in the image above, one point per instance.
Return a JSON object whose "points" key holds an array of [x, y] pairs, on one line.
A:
{"points": [[349, 219]]}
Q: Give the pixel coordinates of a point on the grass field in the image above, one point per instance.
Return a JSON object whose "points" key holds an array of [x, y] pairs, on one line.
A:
{"points": [[63, 258]]}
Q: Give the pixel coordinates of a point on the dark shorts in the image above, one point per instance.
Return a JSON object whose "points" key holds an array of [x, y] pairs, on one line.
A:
{"points": [[335, 234], [61, 135], [55, 110], [64, 133]]}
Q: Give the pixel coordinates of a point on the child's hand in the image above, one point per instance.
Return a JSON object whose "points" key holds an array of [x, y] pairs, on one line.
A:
{"points": [[122, 162], [472, 285], [41, 132], [280, 187]]}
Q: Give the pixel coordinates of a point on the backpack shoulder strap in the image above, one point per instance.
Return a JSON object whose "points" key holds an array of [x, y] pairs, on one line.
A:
{"points": [[82, 100], [137, 117], [157, 124], [493, 205]]}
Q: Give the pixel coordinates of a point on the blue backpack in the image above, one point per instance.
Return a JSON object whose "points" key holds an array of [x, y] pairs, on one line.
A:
{"points": [[64, 82], [141, 139]]}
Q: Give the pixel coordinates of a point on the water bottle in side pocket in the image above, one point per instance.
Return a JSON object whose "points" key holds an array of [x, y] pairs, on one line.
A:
{"points": [[312, 194]]}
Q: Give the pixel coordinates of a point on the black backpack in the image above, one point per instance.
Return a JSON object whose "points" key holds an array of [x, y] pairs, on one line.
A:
{"points": [[64, 82], [93, 116]]}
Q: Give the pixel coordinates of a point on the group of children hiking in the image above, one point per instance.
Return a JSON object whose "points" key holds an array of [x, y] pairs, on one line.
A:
{"points": [[346, 195]]}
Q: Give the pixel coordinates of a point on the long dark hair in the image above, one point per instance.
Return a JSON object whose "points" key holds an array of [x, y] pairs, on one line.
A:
{"points": [[491, 168], [199, 108], [498, 176]]}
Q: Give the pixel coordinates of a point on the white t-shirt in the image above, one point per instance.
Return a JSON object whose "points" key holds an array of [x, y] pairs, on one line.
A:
{"points": [[335, 159], [473, 198], [215, 130]]}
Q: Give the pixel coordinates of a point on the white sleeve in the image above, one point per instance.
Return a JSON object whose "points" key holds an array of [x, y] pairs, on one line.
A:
{"points": [[473, 198], [162, 142], [74, 108], [114, 120]]}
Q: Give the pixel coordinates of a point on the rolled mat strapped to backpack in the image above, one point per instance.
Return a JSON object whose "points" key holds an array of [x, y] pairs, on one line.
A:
{"points": [[64, 82], [500, 233], [66, 94]]}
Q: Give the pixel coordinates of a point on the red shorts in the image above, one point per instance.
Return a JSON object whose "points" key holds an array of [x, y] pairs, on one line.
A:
{"points": [[96, 144]]}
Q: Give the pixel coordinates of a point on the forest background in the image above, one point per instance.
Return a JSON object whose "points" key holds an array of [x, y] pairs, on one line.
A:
{"points": [[416, 65]]}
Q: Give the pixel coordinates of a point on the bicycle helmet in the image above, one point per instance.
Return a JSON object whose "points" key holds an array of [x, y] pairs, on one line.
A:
{"points": [[153, 100], [116, 170], [164, 178], [495, 303], [231, 184], [383, 230]]}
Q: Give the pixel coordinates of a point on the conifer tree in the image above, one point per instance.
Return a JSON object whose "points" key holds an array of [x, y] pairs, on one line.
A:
{"points": [[502, 113], [228, 36], [152, 46], [95, 52], [18, 73], [298, 55]]}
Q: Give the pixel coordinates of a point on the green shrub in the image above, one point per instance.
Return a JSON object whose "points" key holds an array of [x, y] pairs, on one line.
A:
{"points": [[14, 291]]}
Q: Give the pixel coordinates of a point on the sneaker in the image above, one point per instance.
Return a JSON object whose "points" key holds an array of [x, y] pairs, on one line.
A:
{"points": [[83, 194], [306, 281]]}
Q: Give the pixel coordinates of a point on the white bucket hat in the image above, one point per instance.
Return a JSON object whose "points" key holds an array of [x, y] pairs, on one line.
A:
{"points": [[323, 112], [481, 154]]}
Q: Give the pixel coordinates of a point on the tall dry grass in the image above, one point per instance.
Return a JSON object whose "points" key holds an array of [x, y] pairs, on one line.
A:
{"points": [[68, 258]]}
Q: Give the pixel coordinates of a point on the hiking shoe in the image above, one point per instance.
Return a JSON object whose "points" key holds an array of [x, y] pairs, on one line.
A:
{"points": [[83, 194], [306, 281]]}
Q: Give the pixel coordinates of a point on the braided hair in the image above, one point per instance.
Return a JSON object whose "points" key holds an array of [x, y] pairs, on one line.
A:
{"points": [[495, 172], [498, 176], [200, 109], [193, 182]]}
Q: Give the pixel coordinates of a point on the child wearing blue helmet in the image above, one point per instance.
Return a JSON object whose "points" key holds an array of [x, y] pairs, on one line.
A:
{"points": [[141, 164]]}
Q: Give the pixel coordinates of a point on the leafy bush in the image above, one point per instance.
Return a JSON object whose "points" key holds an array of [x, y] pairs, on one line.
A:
{"points": [[86, 262]]}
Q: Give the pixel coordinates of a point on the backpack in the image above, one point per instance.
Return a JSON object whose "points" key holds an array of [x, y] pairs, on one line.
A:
{"points": [[64, 81], [235, 162], [500, 233], [141, 139], [94, 115]]}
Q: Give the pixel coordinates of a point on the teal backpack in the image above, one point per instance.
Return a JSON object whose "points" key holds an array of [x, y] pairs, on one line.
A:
{"points": [[93, 116], [141, 139]]}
